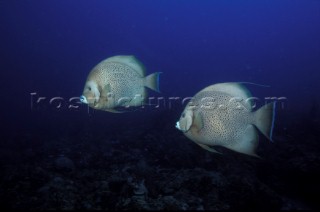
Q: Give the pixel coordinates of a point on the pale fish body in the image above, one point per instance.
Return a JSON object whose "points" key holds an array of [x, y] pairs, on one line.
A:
{"points": [[219, 115], [118, 81]]}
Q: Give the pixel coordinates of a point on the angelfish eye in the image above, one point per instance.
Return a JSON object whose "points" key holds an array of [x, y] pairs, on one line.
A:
{"points": [[89, 88], [183, 115]]}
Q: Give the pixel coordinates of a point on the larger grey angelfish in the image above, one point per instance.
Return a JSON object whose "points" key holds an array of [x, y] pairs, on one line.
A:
{"points": [[116, 82], [217, 117]]}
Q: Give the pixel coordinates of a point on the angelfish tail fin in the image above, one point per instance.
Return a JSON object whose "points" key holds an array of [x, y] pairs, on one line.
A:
{"points": [[152, 81], [265, 118]]}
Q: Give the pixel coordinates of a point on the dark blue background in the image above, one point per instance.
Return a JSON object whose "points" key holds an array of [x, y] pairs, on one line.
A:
{"points": [[49, 47]]}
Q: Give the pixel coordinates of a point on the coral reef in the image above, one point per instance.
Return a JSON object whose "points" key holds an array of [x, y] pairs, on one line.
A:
{"points": [[155, 168]]}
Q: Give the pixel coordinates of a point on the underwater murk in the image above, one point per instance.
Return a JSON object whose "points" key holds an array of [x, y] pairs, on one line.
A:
{"points": [[160, 105]]}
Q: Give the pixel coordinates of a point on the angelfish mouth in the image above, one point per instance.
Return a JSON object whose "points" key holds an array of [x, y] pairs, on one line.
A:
{"points": [[83, 99], [178, 125]]}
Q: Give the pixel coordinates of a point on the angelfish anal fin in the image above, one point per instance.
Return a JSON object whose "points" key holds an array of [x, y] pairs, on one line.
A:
{"points": [[210, 149], [113, 110], [248, 143]]}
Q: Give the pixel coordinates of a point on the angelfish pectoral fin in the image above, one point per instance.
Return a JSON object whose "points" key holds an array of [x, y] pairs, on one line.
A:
{"points": [[210, 149], [108, 98], [198, 121], [106, 90]]}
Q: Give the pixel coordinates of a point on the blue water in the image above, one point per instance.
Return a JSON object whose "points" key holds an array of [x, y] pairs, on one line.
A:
{"points": [[49, 47]]}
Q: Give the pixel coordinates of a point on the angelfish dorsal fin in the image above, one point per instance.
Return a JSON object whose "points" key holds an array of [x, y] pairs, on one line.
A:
{"points": [[233, 89], [130, 61]]}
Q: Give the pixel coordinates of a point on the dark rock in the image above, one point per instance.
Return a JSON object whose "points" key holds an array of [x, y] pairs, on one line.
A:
{"points": [[64, 164]]}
